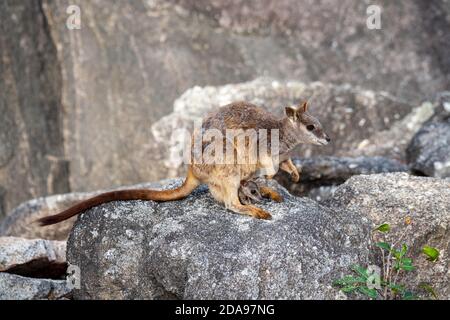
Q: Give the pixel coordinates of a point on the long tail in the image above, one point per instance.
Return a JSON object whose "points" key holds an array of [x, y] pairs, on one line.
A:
{"points": [[181, 192]]}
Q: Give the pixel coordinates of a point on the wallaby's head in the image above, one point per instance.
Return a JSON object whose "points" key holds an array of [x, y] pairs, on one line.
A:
{"points": [[307, 128]]}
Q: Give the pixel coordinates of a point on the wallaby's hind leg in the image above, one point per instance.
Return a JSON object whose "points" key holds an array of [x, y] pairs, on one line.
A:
{"points": [[228, 195], [250, 210], [270, 193], [233, 203]]}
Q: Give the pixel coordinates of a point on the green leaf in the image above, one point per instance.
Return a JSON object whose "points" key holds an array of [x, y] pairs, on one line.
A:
{"points": [[396, 253], [384, 245], [405, 264], [349, 289], [372, 293], [345, 281], [407, 267], [431, 253], [383, 228], [407, 261], [404, 250], [408, 295], [361, 271], [428, 288]]}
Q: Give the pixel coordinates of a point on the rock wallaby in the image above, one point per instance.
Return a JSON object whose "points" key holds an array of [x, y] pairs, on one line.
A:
{"points": [[225, 179]]}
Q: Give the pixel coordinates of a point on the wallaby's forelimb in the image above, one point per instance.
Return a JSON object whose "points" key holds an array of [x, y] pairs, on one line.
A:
{"points": [[289, 167]]}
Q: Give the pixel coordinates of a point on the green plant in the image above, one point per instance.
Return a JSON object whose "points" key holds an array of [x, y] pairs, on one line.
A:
{"points": [[386, 282], [431, 253]]}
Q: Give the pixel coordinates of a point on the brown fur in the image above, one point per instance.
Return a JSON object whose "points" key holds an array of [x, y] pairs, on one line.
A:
{"points": [[267, 192], [224, 180]]}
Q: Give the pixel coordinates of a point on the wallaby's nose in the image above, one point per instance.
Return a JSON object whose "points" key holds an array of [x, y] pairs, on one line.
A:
{"points": [[328, 139]]}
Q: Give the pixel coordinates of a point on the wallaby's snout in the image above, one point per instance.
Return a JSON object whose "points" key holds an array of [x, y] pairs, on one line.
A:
{"points": [[325, 139], [308, 128]]}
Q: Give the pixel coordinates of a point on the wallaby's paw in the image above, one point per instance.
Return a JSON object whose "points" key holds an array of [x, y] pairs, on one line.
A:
{"points": [[277, 197], [295, 177], [261, 214], [267, 192]]}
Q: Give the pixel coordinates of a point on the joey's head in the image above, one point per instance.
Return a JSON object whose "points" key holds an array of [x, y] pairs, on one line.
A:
{"points": [[249, 192], [306, 128]]}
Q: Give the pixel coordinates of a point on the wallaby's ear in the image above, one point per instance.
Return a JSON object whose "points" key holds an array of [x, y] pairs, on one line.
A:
{"points": [[304, 107], [291, 113]]}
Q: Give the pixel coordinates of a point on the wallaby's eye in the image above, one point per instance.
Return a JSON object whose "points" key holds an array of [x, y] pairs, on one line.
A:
{"points": [[310, 127], [253, 191]]}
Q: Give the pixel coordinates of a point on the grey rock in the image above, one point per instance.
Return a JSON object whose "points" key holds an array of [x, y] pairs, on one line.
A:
{"points": [[442, 109], [2, 203], [21, 221], [394, 141], [339, 169], [32, 160], [318, 173], [348, 114], [195, 248], [33, 258], [14, 287], [391, 198], [429, 151], [334, 44]]}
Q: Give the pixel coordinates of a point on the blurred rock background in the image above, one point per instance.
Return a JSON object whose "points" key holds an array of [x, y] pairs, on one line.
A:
{"points": [[80, 107]]}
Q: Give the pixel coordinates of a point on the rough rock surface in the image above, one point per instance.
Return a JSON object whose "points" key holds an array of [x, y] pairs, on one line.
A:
{"points": [[14, 287], [348, 114], [21, 221], [390, 198], [318, 173], [394, 141], [194, 248], [32, 258], [429, 151], [31, 140]]}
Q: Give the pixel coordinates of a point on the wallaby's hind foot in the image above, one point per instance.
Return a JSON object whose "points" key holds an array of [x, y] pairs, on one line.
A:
{"points": [[252, 211], [267, 192]]}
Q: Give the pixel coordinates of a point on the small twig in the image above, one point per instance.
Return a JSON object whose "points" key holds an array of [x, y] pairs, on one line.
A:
{"points": [[396, 276], [388, 271], [384, 270]]}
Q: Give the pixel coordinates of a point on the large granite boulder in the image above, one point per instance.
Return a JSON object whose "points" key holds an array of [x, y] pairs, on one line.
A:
{"points": [[393, 141], [32, 160], [429, 151], [33, 258], [33, 269], [14, 287], [195, 248], [394, 198]]}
